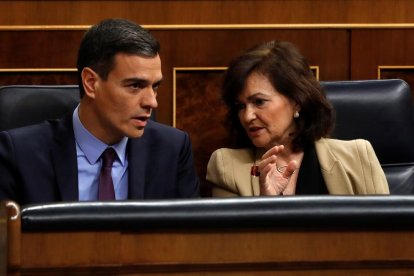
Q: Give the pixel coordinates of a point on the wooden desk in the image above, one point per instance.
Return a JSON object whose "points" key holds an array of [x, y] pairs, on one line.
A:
{"points": [[239, 250]]}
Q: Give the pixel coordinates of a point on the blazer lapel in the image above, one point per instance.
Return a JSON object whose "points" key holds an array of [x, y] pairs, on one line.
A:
{"points": [[333, 172], [64, 160], [238, 164]]}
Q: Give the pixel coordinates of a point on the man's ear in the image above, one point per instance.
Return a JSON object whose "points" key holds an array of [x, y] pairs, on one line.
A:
{"points": [[90, 81]]}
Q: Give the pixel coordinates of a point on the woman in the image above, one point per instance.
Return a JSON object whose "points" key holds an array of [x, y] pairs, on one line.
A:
{"points": [[281, 119]]}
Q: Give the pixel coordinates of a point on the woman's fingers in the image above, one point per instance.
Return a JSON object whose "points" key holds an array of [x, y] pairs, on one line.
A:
{"points": [[266, 161], [273, 151], [290, 169]]}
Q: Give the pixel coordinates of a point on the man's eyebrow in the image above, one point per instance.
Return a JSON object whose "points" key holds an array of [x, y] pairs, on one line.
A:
{"points": [[135, 80], [140, 81]]}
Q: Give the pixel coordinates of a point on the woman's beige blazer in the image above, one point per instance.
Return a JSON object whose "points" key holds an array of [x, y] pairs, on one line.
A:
{"points": [[348, 168]]}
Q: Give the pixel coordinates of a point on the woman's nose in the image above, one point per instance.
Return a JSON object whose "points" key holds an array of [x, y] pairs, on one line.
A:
{"points": [[248, 114]]}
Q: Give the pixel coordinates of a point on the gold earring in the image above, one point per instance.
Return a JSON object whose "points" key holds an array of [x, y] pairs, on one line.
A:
{"points": [[296, 115]]}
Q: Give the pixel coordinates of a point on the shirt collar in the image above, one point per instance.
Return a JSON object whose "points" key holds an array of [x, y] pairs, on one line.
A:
{"points": [[91, 146]]}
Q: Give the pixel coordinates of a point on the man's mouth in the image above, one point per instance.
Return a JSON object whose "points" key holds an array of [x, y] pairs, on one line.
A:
{"points": [[141, 121]]}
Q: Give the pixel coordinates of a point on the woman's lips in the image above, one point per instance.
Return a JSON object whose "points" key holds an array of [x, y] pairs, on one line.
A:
{"points": [[255, 131]]}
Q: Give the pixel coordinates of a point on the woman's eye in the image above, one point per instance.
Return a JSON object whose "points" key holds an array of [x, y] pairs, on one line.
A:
{"points": [[258, 102]]}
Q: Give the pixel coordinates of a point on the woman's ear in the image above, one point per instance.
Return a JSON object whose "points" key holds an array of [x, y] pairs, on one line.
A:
{"points": [[90, 81], [298, 107], [296, 112]]}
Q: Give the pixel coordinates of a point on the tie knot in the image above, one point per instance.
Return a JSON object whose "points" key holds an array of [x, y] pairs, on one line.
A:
{"points": [[108, 157]]}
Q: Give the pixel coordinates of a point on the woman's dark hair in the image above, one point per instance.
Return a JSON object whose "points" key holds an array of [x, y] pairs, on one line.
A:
{"points": [[103, 41], [290, 75]]}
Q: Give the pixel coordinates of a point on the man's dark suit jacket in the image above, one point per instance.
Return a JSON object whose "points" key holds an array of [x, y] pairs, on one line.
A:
{"points": [[38, 163]]}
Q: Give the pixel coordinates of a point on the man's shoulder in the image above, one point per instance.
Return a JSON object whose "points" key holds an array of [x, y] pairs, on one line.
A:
{"points": [[158, 137], [40, 131], [29, 131], [155, 128]]}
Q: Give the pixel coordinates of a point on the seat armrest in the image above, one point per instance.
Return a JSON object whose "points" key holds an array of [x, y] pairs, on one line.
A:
{"points": [[245, 212]]}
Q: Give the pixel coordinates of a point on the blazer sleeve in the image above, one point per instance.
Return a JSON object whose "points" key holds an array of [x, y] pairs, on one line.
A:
{"points": [[350, 167], [376, 182]]}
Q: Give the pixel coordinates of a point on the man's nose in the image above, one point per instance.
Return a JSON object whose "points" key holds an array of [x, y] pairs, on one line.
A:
{"points": [[150, 98]]}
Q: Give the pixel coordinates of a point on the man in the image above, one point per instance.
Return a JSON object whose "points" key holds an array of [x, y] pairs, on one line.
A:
{"points": [[119, 71]]}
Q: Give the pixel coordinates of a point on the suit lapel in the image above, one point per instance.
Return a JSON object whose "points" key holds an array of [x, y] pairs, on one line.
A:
{"points": [[138, 150], [64, 160]]}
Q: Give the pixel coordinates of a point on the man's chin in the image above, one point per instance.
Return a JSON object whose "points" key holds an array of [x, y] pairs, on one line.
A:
{"points": [[137, 133]]}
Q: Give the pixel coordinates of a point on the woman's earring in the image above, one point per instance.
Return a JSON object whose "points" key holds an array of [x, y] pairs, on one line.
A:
{"points": [[296, 115]]}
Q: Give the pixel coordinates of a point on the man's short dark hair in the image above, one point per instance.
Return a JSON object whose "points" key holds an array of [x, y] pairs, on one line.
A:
{"points": [[104, 40]]}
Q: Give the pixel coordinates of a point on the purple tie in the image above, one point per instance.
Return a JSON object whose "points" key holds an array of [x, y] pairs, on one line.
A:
{"points": [[106, 185]]}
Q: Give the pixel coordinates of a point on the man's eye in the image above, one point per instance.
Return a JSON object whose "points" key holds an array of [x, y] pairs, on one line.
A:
{"points": [[137, 85]]}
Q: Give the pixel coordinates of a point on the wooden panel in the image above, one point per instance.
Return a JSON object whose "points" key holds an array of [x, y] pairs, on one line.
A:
{"points": [[220, 252], [13, 235], [38, 77], [398, 72], [3, 239], [202, 114], [373, 48], [48, 12], [81, 249], [39, 49]]}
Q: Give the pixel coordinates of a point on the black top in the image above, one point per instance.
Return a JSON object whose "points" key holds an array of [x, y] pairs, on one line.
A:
{"points": [[310, 180]]}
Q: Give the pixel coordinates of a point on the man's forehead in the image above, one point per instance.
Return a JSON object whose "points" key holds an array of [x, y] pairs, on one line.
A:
{"points": [[137, 57], [138, 67]]}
